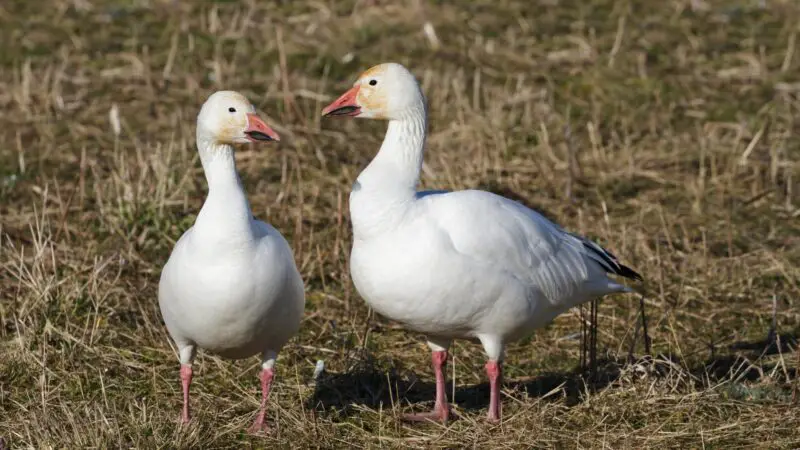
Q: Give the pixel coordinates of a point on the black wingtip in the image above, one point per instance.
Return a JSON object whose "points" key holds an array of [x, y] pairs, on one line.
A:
{"points": [[610, 262], [627, 272]]}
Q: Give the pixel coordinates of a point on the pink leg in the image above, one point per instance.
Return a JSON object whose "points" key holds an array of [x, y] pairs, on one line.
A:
{"points": [[266, 382], [441, 410], [186, 380], [494, 370]]}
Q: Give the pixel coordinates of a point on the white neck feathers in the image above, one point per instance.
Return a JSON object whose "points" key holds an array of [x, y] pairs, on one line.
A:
{"points": [[389, 182], [225, 215]]}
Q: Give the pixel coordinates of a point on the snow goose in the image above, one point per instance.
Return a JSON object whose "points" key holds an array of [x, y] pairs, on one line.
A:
{"points": [[230, 286], [466, 264]]}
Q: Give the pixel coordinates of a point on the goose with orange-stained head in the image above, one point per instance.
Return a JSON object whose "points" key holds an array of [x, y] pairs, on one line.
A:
{"points": [[456, 265], [231, 285]]}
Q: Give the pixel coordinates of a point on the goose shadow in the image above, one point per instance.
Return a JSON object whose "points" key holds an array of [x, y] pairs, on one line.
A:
{"points": [[741, 360], [367, 385]]}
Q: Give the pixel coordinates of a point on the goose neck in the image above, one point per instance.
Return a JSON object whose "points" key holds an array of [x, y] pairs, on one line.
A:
{"points": [[226, 212], [386, 189], [398, 163]]}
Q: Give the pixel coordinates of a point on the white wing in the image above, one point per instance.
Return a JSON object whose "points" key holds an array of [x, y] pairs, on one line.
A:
{"points": [[503, 233]]}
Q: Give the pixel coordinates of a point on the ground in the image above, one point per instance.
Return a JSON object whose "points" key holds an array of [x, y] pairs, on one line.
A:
{"points": [[667, 131]]}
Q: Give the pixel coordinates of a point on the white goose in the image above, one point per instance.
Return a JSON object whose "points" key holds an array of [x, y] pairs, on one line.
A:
{"points": [[230, 285], [467, 264]]}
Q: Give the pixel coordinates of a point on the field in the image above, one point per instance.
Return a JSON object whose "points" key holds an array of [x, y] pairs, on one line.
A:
{"points": [[667, 131]]}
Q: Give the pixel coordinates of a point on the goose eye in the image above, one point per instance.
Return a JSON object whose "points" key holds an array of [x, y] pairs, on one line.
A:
{"points": [[373, 82], [232, 109]]}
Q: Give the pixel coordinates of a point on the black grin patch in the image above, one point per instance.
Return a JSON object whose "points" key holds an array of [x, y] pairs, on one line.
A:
{"points": [[259, 136], [343, 111]]}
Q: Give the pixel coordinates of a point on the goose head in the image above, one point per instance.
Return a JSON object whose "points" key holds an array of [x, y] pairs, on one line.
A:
{"points": [[386, 91], [227, 117]]}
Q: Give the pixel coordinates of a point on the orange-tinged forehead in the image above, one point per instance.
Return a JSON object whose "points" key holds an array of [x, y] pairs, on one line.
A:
{"points": [[369, 97], [372, 71]]}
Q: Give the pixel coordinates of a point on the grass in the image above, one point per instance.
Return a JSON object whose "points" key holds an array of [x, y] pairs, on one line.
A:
{"points": [[666, 130]]}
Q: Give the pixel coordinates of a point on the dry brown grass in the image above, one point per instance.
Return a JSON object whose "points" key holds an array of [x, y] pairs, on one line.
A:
{"points": [[668, 133]]}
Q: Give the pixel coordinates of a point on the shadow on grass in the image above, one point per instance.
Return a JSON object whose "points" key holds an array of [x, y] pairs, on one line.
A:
{"points": [[743, 366], [369, 386]]}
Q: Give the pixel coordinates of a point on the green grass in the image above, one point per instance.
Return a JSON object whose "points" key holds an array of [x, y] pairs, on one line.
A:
{"points": [[682, 124]]}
